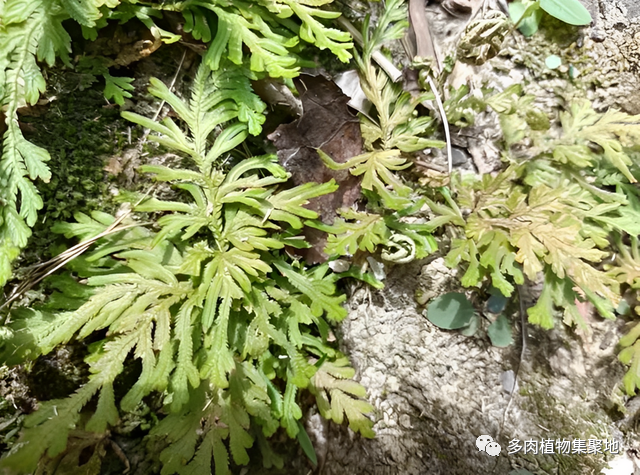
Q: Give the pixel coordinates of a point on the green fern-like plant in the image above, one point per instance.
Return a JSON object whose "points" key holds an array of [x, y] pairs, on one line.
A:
{"points": [[550, 228], [28, 31], [626, 270], [553, 213], [32, 32], [226, 326], [392, 130]]}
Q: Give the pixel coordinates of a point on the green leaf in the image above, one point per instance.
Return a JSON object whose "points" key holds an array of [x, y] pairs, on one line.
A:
{"points": [[106, 413], [85, 12], [356, 231], [55, 41], [307, 446], [496, 302], [500, 332], [291, 411], [450, 311], [117, 88], [46, 430], [569, 11], [269, 50], [320, 292], [376, 168], [198, 23], [542, 312], [289, 205], [553, 61], [631, 380], [335, 396], [312, 31], [356, 272], [526, 16], [517, 10], [631, 337]]}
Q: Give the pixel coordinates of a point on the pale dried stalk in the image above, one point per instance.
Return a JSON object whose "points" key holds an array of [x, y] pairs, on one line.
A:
{"points": [[387, 66], [47, 268], [425, 48]]}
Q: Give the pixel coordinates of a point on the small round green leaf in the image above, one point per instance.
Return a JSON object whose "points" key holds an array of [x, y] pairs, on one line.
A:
{"points": [[516, 10], [569, 11], [500, 332], [623, 308], [553, 61], [497, 302], [450, 311]]}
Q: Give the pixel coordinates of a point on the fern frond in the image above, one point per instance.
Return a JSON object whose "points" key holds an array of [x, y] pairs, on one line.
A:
{"points": [[181, 430], [291, 412], [270, 50], [86, 12], [217, 97], [515, 231], [117, 88], [320, 292], [334, 391], [268, 32], [631, 356], [365, 232], [627, 266], [613, 131], [314, 32], [30, 31], [376, 168], [47, 430], [288, 205], [185, 371], [219, 358], [21, 82]]}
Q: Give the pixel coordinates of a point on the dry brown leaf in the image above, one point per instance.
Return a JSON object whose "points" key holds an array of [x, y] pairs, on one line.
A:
{"points": [[326, 123]]}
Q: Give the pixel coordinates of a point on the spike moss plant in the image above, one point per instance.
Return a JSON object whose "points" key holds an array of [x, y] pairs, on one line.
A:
{"points": [[33, 32], [226, 326]]}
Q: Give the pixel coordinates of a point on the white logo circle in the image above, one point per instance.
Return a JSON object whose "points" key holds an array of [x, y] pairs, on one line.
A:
{"points": [[493, 449], [482, 441]]}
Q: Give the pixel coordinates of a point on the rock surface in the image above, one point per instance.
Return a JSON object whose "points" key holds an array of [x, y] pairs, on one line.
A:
{"points": [[436, 391]]}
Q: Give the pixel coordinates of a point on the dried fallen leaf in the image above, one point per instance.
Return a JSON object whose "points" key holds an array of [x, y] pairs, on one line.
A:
{"points": [[326, 123]]}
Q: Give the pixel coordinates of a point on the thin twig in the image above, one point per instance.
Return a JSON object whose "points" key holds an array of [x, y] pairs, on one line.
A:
{"points": [[171, 86], [425, 48], [63, 259], [42, 271], [419, 23], [445, 122], [121, 455]]}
